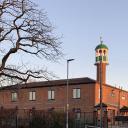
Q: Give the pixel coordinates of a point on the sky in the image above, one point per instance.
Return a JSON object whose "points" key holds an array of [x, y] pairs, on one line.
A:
{"points": [[81, 23]]}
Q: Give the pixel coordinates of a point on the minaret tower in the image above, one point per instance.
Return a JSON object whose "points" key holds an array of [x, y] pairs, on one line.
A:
{"points": [[101, 60]]}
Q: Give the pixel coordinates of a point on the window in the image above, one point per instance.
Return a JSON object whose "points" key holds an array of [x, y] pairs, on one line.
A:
{"points": [[123, 97], [104, 58], [78, 115], [112, 93], [97, 59], [14, 96], [51, 95], [32, 95], [51, 109], [100, 58], [76, 93]]}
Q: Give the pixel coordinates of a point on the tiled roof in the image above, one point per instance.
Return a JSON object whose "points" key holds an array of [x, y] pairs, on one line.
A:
{"points": [[61, 82]]}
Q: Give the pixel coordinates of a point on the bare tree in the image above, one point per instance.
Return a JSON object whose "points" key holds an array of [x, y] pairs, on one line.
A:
{"points": [[24, 29]]}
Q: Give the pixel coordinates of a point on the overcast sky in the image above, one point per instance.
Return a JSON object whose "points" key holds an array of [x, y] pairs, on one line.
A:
{"points": [[82, 22]]}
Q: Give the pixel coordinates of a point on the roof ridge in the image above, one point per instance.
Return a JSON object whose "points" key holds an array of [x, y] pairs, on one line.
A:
{"points": [[58, 82]]}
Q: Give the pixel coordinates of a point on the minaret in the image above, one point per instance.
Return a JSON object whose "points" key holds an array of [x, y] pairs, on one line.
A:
{"points": [[101, 59]]}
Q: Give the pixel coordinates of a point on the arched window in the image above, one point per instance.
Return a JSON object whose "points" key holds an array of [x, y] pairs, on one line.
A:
{"points": [[104, 52]]}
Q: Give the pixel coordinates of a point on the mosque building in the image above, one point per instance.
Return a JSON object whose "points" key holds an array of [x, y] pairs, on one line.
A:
{"points": [[84, 94]]}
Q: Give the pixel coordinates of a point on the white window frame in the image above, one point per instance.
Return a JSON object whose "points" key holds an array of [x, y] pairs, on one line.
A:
{"points": [[14, 96], [123, 98], [112, 94], [76, 93], [78, 115], [32, 95], [51, 95]]}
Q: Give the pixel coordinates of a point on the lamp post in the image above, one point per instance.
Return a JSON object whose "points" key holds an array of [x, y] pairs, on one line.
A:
{"points": [[67, 107]]}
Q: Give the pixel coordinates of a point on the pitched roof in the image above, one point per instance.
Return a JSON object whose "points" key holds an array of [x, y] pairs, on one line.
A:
{"points": [[124, 109], [114, 87], [103, 105], [61, 82]]}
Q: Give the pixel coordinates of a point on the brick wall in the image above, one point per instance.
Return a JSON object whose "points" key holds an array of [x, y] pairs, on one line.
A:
{"points": [[115, 98], [85, 102]]}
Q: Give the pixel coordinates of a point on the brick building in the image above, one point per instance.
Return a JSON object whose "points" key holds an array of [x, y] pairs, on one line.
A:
{"points": [[84, 93]]}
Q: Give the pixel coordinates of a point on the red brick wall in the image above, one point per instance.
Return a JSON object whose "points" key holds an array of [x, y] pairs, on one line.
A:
{"points": [[103, 69], [85, 103], [89, 98], [112, 97]]}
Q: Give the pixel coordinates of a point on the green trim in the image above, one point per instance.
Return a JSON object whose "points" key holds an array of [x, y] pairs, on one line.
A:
{"points": [[97, 59], [100, 58], [104, 58], [100, 46]]}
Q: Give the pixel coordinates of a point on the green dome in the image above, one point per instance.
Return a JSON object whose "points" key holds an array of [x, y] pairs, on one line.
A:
{"points": [[100, 46]]}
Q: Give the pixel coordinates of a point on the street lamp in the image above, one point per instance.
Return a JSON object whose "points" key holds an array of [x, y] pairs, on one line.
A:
{"points": [[67, 107]]}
